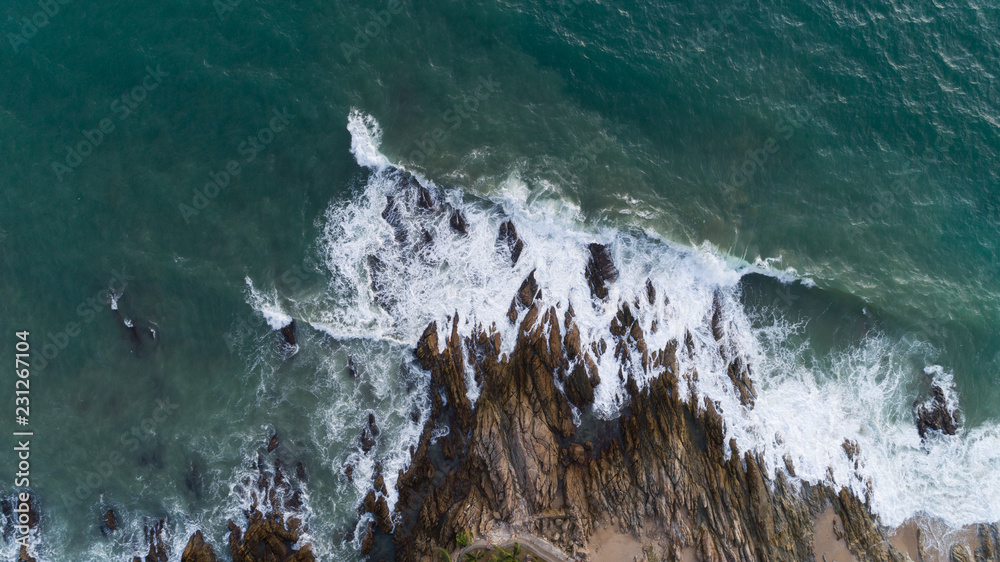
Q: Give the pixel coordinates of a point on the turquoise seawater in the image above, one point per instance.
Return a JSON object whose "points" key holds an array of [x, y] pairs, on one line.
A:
{"points": [[832, 165]]}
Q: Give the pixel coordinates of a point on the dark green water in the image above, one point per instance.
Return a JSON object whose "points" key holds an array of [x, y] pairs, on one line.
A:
{"points": [[853, 146]]}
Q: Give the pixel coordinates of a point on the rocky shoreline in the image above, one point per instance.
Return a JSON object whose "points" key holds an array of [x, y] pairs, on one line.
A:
{"points": [[528, 461], [516, 464]]}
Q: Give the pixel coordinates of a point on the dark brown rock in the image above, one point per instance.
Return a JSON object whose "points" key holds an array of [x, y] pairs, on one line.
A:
{"points": [[935, 415], [288, 334], [600, 270], [273, 443], [509, 242], [578, 389], [457, 222], [109, 521], [664, 466], [197, 550]]}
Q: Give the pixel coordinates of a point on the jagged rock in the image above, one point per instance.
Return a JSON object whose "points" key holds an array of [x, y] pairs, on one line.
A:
{"points": [[526, 295], [391, 215], [934, 414], [663, 462], [960, 553], [351, 369], [424, 199], [367, 541], [578, 388], [197, 550], [650, 292], [273, 443], [509, 242], [288, 334], [457, 222], [600, 270], [367, 440], [300, 472], [154, 539], [267, 538]]}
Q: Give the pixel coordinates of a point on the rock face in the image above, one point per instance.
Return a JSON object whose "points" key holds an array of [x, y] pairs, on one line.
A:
{"points": [[198, 550], [935, 415], [515, 464]]}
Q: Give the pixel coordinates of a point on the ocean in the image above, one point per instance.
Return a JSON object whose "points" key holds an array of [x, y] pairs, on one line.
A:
{"points": [[826, 171]]}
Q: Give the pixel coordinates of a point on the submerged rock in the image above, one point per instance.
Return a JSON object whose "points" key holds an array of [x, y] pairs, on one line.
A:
{"points": [[457, 222], [273, 443]]}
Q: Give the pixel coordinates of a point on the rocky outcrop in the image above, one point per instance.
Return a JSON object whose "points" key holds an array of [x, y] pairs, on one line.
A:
{"points": [[266, 535], [508, 242], [157, 548], [600, 270], [288, 334], [197, 550], [109, 522], [519, 466], [935, 414], [268, 538]]}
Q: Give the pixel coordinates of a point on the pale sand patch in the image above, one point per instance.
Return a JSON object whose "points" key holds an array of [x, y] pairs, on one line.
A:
{"points": [[825, 541], [608, 544], [905, 539]]}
